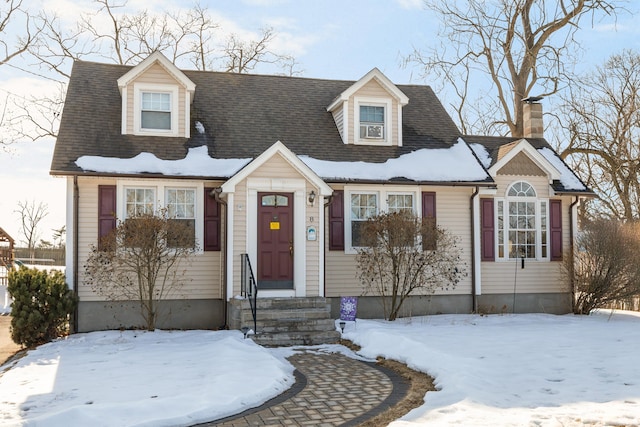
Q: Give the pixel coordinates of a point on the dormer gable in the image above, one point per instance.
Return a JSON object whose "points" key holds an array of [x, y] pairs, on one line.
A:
{"points": [[521, 158], [369, 112], [156, 99]]}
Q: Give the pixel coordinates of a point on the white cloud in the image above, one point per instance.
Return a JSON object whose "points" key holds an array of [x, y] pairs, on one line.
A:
{"points": [[410, 4]]}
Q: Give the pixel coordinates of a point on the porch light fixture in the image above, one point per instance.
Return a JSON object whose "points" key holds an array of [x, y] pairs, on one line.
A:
{"points": [[342, 325], [245, 330], [312, 197]]}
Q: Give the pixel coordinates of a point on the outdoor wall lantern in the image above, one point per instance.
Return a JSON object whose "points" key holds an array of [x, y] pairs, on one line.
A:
{"points": [[312, 197], [342, 325]]}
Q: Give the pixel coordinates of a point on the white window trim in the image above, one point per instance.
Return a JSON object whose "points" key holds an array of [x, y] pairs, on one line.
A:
{"points": [[538, 206], [173, 90], [388, 123], [382, 192], [161, 191]]}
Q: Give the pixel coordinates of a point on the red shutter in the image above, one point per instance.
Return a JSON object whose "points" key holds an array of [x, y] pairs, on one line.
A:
{"points": [[106, 211], [429, 242], [336, 221], [487, 236], [555, 221], [212, 222]]}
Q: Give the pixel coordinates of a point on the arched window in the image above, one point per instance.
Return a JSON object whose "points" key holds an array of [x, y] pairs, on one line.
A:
{"points": [[522, 224]]}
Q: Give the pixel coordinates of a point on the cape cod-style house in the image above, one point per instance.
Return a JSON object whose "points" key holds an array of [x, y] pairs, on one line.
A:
{"points": [[278, 172]]}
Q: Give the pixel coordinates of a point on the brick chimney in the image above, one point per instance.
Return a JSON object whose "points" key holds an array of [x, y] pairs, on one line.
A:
{"points": [[532, 112]]}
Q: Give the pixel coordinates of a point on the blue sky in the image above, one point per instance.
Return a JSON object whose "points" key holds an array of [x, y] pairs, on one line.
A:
{"points": [[333, 39]]}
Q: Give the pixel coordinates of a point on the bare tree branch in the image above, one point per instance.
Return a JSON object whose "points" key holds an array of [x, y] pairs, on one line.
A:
{"points": [[521, 46], [602, 117]]}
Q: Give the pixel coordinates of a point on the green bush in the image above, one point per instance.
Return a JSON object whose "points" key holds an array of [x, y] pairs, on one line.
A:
{"points": [[42, 304]]}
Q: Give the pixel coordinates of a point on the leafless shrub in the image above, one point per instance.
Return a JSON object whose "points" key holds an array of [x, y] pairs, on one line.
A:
{"points": [[606, 265], [405, 254], [144, 258]]}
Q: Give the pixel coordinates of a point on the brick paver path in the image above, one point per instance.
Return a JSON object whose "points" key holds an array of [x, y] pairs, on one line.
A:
{"points": [[330, 390]]}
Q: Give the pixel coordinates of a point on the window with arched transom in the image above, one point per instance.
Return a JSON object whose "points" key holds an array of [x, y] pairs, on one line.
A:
{"points": [[522, 223]]}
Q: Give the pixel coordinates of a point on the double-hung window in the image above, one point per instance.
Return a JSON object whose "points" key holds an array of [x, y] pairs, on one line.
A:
{"points": [[522, 224], [155, 111], [371, 122], [181, 204], [364, 205], [181, 208]]}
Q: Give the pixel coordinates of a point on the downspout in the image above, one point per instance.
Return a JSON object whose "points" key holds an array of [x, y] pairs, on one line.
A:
{"points": [[474, 300], [572, 283], [76, 240], [216, 195]]}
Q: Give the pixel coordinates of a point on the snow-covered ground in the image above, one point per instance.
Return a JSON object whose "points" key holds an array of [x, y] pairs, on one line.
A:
{"points": [[510, 370]]}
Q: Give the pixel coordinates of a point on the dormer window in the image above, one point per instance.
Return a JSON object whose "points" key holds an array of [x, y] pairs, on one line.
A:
{"points": [[156, 111], [373, 125], [371, 122]]}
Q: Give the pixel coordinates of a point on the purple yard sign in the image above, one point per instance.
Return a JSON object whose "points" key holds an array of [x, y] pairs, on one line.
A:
{"points": [[348, 308]]}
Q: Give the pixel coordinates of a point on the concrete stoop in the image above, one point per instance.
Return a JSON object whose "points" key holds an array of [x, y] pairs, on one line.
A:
{"points": [[286, 321]]}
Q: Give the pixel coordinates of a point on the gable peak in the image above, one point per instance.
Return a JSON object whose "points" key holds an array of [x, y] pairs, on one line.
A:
{"points": [[156, 58]]}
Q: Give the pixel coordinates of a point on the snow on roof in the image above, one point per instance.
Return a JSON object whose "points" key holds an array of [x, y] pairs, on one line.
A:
{"points": [[456, 163], [567, 177], [482, 153], [196, 163]]}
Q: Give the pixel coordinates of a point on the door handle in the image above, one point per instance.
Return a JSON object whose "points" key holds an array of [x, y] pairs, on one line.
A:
{"points": [[291, 248]]}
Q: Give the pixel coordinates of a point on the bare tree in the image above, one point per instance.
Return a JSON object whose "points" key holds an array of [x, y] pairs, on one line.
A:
{"points": [[606, 266], [144, 259], [602, 119], [188, 38], [514, 47], [243, 56], [31, 214], [59, 236], [13, 15], [404, 254]]}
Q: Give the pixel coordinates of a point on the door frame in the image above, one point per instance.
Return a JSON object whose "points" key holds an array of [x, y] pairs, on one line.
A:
{"points": [[298, 188], [287, 209]]}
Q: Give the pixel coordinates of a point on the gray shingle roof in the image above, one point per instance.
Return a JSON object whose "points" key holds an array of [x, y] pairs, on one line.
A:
{"points": [[243, 115], [493, 144]]}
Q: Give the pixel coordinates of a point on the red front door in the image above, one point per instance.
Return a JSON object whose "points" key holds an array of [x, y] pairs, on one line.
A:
{"points": [[275, 241]]}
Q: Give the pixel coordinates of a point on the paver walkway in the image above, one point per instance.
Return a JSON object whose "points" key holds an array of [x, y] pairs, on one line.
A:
{"points": [[330, 390]]}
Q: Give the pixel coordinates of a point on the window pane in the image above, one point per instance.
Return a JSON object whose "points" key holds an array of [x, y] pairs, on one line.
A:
{"points": [[156, 101], [139, 201], [371, 114], [363, 207], [183, 234], [269, 200], [521, 189], [400, 203], [156, 120], [181, 203]]}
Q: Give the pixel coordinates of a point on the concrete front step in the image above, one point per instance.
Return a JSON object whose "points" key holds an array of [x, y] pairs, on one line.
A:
{"points": [[295, 338], [287, 321], [297, 326], [286, 315], [286, 303]]}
